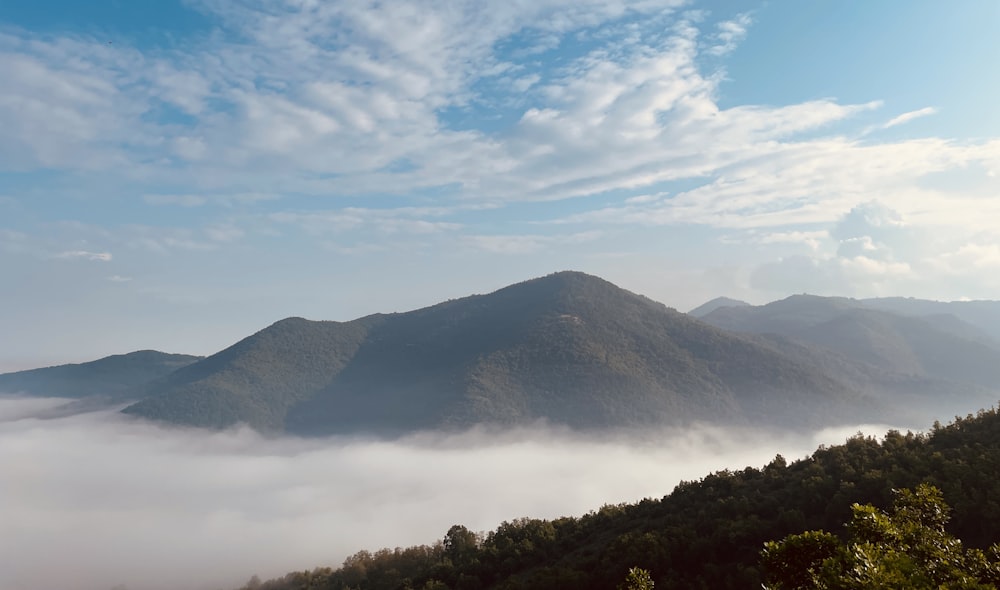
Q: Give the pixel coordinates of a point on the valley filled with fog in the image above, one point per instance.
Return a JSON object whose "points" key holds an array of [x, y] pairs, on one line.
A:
{"points": [[96, 500]]}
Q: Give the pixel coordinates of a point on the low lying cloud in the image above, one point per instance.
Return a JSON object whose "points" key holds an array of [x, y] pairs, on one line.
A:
{"points": [[95, 500]]}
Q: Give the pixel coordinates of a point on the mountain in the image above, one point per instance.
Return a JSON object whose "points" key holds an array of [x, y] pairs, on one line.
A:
{"points": [[937, 357], [704, 534], [984, 316], [936, 346], [710, 306], [110, 376], [568, 348]]}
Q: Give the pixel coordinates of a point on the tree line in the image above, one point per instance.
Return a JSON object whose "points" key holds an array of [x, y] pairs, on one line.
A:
{"points": [[707, 533]]}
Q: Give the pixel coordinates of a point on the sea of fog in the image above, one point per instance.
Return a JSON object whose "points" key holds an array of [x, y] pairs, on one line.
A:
{"points": [[95, 500]]}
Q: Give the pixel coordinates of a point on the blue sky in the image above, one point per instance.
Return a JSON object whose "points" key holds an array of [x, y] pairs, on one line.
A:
{"points": [[177, 175]]}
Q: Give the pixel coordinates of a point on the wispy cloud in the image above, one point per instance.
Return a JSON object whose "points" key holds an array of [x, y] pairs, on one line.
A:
{"points": [[910, 116], [528, 243], [369, 128], [84, 255], [177, 200], [729, 34]]}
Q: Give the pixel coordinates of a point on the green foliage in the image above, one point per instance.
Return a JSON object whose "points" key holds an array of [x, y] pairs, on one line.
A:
{"points": [[637, 579], [906, 548], [707, 534]]}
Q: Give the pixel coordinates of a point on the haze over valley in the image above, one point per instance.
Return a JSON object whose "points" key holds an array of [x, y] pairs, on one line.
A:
{"points": [[126, 502]]}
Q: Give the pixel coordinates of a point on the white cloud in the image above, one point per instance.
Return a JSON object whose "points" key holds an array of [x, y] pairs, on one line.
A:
{"points": [[178, 200], [528, 243], [907, 117], [84, 255], [386, 221], [341, 108], [185, 508], [811, 239], [729, 34], [969, 258]]}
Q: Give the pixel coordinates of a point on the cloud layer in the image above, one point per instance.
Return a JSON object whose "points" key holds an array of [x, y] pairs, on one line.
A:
{"points": [[92, 501]]}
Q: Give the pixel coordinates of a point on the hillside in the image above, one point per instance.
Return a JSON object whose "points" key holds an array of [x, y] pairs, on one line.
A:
{"points": [[983, 315], [256, 380], [705, 534], [110, 376], [932, 360], [568, 348]]}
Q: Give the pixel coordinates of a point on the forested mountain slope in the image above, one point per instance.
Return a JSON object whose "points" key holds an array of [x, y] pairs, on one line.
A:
{"points": [[705, 534], [927, 362], [109, 376], [568, 348]]}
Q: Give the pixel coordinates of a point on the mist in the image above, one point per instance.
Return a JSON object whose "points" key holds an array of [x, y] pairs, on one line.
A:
{"points": [[96, 500]]}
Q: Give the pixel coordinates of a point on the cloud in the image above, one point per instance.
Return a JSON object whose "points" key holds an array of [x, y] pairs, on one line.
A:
{"points": [[324, 99], [874, 250], [811, 239], [119, 279], [121, 502], [527, 243], [729, 34], [813, 182], [907, 117], [84, 255], [303, 119], [178, 200]]}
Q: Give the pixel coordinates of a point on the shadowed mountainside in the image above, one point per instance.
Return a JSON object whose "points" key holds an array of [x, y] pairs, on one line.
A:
{"points": [[922, 362], [569, 348], [107, 377], [984, 316], [937, 346]]}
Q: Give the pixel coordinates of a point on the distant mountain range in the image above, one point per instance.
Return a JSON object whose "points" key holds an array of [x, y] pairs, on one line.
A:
{"points": [[976, 318], [567, 348], [884, 346], [110, 377]]}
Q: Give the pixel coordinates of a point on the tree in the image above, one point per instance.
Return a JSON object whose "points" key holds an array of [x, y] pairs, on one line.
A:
{"points": [[906, 549], [460, 545], [637, 579]]}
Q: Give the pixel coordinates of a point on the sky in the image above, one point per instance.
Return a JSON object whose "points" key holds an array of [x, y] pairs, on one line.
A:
{"points": [[177, 174]]}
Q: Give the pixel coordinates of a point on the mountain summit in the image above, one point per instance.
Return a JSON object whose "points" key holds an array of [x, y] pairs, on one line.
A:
{"points": [[568, 348]]}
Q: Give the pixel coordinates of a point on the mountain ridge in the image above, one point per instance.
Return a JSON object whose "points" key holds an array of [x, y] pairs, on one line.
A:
{"points": [[109, 376], [568, 347]]}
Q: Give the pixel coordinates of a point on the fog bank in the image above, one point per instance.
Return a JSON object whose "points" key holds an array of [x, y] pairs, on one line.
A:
{"points": [[95, 500]]}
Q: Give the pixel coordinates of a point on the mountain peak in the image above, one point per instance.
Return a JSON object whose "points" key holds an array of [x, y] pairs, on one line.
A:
{"points": [[710, 306], [568, 347]]}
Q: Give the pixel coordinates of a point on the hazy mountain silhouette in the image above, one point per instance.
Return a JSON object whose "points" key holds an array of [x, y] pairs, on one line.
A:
{"points": [[109, 376], [982, 316], [937, 357], [568, 348], [710, 306]]}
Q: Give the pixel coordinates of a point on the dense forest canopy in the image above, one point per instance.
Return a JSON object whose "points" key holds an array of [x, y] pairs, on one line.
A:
{"points": [[705, 534]]}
